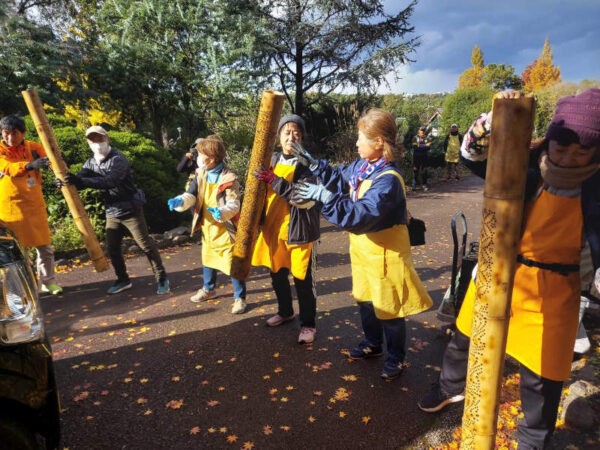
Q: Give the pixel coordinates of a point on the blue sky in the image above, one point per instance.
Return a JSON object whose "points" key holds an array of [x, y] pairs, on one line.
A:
{"points": [[508, 32]]}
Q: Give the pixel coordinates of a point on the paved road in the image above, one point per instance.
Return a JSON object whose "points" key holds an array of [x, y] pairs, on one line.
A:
{"points": [[141, 371]]}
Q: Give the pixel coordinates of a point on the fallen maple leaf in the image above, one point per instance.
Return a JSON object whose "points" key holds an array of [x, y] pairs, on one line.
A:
{"points": [[231, 438], [212, 403], [248, 445], [267, 430], [312, 419], [195, 430], [141, 401], [349, 378], [366, 419], [175, 404]]}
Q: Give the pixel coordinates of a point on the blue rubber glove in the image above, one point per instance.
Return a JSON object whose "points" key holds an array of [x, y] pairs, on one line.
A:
{"points": [[312, 191], [175, 202], [305, 158], [216, 213]]}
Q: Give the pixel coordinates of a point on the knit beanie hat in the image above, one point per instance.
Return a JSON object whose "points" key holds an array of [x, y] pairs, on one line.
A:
{"points": [[577, 120], [292, 118]]}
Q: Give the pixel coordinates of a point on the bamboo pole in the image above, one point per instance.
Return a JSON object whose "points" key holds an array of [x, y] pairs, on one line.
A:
{"points": [[500, 234], [269, 113], [60, 169]]}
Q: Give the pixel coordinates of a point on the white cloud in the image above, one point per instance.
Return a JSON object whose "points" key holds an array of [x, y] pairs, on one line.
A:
{"points": [[420, 82]]}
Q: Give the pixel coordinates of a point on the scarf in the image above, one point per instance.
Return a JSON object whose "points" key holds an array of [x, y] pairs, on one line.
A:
{"points": [[565, 177], [212, 175], [365, 169]]}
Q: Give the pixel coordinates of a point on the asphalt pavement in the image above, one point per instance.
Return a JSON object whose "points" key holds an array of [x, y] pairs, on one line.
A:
{"points": [[140, 371]]}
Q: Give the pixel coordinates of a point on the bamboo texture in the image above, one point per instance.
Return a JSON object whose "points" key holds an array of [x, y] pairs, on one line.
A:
{"points": [[269, 113], [60, 169], [500, 234]]}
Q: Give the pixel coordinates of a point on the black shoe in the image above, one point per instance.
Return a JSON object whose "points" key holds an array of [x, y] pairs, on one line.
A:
{"points": [[391, 371], [364, 351], [437, 400]]}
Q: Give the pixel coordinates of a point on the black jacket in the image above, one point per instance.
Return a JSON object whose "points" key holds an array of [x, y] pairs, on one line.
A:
{"points": [[304, 223], [113, 176]]}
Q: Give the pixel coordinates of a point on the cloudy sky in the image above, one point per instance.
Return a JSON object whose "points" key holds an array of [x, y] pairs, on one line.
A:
{"points": [[508, 32]]}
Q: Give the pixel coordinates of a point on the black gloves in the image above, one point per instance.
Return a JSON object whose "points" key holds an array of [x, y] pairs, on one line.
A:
{"points": [[40, 163], [69, 179]]}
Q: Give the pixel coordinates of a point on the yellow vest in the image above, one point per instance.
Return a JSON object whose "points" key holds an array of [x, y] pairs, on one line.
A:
{"points": [[383, 271]]}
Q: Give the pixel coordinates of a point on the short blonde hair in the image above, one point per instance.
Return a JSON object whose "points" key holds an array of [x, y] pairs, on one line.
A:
{"points": [[212, 146], [376, 122]]}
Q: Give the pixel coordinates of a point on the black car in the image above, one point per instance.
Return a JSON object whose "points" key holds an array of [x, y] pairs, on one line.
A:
{"points": [[29, 404]]}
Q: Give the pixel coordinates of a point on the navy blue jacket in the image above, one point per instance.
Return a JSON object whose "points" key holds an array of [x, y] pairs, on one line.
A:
{"points": [[381, 207]]}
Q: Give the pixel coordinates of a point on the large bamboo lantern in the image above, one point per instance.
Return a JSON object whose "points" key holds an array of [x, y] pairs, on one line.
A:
{"points": [[269, 114], [60, 169], [500, 234]]}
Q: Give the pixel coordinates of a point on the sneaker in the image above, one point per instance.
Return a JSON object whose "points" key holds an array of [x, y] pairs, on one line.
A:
{"points": [[391, 370], [163, 287], [239, 306], [202, 295], [51, 288], [276, 320], [364, 351], [119, 286], [437, 399], [307, 335]]}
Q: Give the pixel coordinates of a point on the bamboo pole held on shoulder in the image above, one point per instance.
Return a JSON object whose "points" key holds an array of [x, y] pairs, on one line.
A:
{"points": [[60, 169], [500, 235], [269, 113]]}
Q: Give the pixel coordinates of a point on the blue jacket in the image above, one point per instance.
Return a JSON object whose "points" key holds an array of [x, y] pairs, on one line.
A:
{"points": [[381, 207]]}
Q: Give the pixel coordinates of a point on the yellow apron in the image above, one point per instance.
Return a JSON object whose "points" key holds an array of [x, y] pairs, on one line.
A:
{"points": [[22, 206], [544, 311], [383, 271], [453, 149], [217, 248], [272, 249]]}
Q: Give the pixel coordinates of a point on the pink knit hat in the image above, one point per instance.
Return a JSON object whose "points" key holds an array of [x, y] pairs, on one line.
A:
{"points": [[577, 120]]}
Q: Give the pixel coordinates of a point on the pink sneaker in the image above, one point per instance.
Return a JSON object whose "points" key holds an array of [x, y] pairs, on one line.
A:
{"points": [[276, 320], [307, 335]]}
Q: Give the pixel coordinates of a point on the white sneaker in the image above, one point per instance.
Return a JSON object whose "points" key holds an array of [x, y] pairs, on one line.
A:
{"points": [[202, 295], [276, 320], [239, 306], [307, 335]]}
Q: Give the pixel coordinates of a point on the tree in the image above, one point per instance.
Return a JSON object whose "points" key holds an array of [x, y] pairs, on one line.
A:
{"points": [[500, 77], [165, 64], [320, 46], [473, 76], [30, 54], [543, 72]]}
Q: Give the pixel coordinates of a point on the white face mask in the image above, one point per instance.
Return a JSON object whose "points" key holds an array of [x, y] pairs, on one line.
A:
{"points": [[200, 163], [100, 149]]}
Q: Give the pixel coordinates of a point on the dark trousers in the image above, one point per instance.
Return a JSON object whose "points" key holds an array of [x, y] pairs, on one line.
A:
{"points": [[420, 169], [305, 291], [136, 225], [375, 329], [540, 396]]}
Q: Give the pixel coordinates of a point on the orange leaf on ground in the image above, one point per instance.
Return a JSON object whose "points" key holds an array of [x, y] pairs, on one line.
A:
{"points": [[248, 445], [231, 438], [175, 404], [267, 430], [212, 403], [195, 430], [366, 419]]}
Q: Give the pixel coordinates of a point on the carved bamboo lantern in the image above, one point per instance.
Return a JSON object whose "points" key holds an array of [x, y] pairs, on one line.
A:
{"points": [[269, 114], [500, 234], [60, 169]]}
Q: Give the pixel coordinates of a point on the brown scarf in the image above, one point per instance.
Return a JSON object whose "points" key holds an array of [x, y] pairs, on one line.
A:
{"points": [[565, 177]]}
